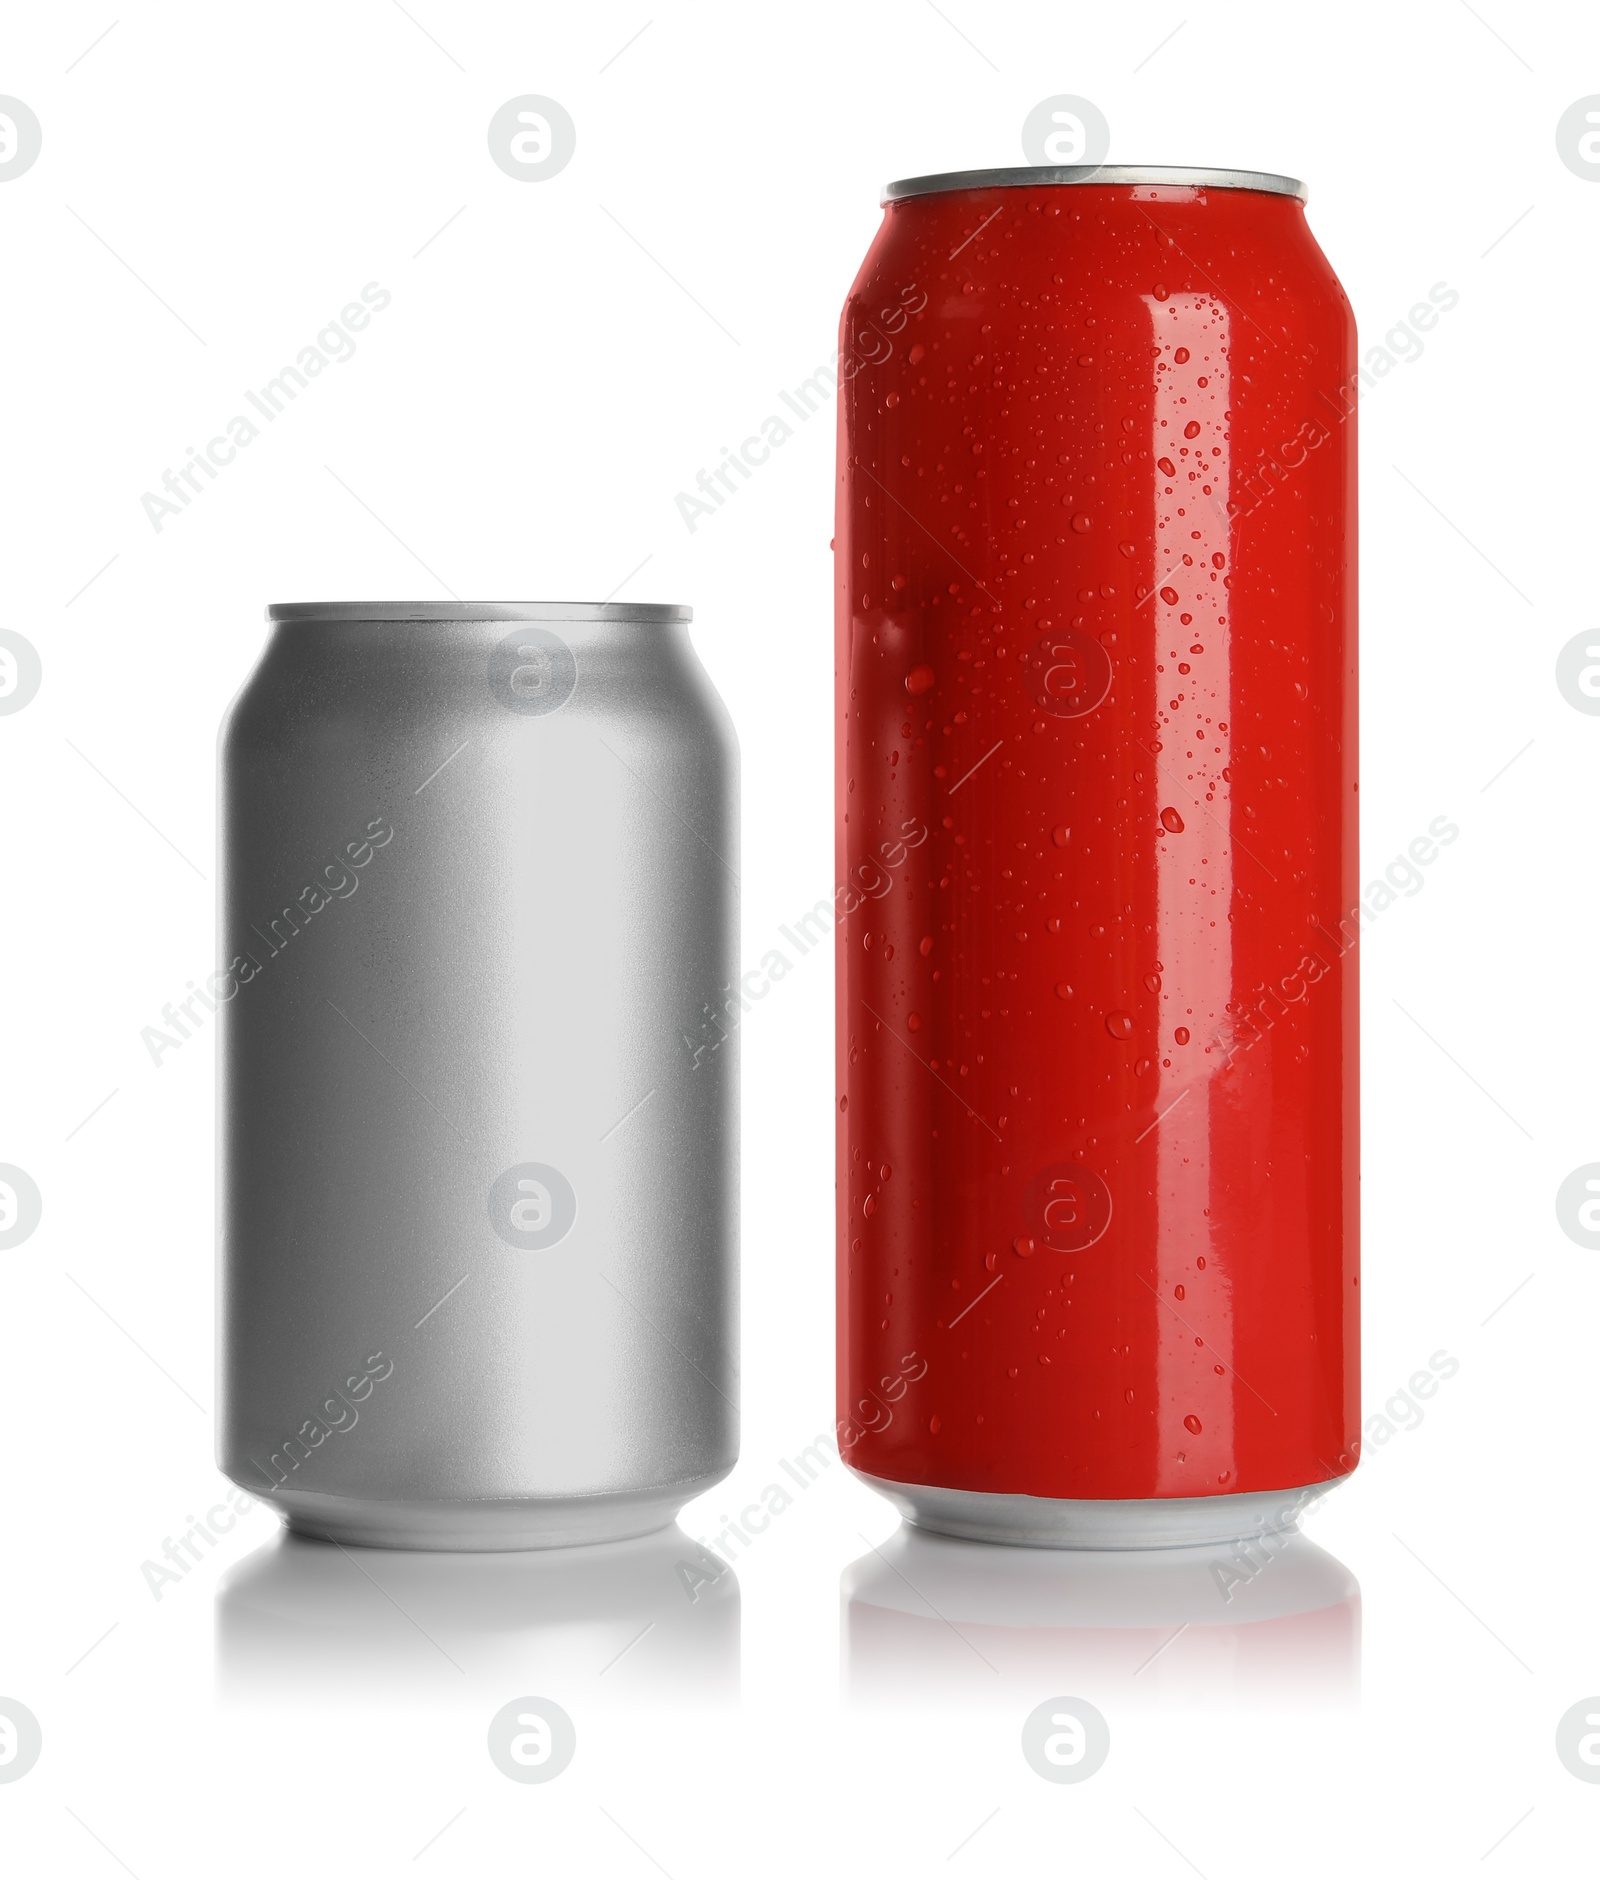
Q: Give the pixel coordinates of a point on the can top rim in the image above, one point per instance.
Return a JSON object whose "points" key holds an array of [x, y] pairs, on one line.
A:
{"points": [[647, 613], [1045, 175]]}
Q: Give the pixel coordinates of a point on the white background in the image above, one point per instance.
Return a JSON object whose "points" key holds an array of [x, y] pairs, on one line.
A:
{"points": [[556, 365]]}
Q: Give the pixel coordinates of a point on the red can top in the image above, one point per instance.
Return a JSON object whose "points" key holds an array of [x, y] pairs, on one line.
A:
{"points": [[1136, 175]]}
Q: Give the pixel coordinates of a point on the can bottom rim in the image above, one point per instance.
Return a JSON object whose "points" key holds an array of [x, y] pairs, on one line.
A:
{"points": [[489, 1525], [1099, 1526]]}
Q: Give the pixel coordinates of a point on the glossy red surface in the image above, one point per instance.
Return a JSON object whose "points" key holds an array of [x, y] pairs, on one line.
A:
{"points": [[1095, 557]]}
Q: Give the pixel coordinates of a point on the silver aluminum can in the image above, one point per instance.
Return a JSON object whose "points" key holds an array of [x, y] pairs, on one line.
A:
{"points": [[478, 1087]]}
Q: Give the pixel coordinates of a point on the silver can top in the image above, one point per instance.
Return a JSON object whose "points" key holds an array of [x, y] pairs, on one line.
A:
{"points": [[1033, 176], [645, 613]]}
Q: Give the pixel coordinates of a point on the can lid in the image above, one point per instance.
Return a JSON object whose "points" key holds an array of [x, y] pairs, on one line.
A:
{"points": [[645, 613], [1034, 176]]}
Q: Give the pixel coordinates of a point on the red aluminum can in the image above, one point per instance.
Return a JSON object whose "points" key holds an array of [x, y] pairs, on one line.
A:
{"points": [[1096, 759]]}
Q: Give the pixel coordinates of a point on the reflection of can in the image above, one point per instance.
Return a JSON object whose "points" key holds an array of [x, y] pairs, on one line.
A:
{"points": [[477, 1224], [1097, 1044], [1276, 1620]]}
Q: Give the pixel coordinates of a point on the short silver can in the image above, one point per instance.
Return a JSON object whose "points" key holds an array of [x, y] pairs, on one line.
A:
{"points": [[478, 1082]]}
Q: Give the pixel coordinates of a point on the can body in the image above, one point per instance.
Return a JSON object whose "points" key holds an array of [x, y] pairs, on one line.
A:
{"points": [[1096, 740], [477, 1221]]}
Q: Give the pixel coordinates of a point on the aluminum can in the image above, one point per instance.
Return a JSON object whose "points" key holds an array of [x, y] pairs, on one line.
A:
{"points": [[478, 1124], [1096, 746]]}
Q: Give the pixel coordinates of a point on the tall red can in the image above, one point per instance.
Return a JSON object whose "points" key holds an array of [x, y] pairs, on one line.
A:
{"points": [[1097, 1019]]}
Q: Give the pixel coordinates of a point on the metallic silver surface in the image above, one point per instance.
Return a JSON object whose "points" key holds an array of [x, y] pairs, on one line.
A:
{"points": [[487, 1526], [641, 613], [1032, 176], [478, 1139], [1035, 1521]]}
